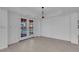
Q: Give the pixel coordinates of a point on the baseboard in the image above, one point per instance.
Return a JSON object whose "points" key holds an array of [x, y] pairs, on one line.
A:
{"points": [[12, 43], [3, 47], [55, 38], [74, 42]]}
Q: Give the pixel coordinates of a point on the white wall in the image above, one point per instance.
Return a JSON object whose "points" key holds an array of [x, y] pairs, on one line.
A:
{"points": [[56, 27], [15, 25], [61, 27], [37, 27], [3, 29], [10, 27], [74, 28]]}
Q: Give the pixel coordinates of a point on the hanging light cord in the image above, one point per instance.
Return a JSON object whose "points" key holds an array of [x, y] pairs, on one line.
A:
{"points": [[42, 12]]}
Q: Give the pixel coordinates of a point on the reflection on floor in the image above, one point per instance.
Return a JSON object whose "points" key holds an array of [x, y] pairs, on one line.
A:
{"points": [[42, 44]]}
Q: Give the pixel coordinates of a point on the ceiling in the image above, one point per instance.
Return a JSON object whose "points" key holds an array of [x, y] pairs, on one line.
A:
{"points": [[49, 11]]}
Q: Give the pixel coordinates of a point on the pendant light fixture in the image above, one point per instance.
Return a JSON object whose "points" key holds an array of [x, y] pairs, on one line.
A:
{"points": [[43, 13]]}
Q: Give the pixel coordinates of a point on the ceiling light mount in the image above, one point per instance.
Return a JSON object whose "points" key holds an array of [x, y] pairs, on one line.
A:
{"points": [[42, 7]]}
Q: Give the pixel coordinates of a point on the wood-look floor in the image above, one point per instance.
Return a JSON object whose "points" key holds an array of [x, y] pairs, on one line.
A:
{"points": [[42, 44]]}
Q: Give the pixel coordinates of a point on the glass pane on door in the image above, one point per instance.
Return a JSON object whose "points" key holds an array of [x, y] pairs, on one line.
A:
{"points": [[23, 27]]}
